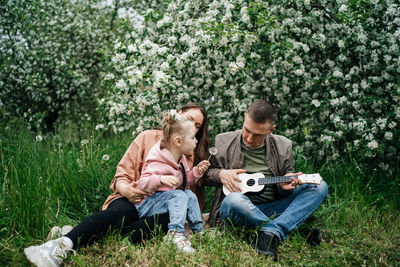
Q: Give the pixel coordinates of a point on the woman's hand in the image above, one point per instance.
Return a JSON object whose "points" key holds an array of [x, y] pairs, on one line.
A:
{"points": [[130, 191], [203, 166], [293, 184], [169, 180]]}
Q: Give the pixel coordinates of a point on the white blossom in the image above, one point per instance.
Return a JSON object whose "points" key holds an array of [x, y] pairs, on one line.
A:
{"points": [[299, 72], [121, 85], [316, 103], [337, 74], [392, 125], [389, 136], [343, 8], [233, 67], [373, 145]]}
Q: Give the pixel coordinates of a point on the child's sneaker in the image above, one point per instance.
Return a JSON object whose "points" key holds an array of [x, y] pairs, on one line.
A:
{"points": [[198, 234], [180, 241], [57, 232], [49, 254], [209, 233]]}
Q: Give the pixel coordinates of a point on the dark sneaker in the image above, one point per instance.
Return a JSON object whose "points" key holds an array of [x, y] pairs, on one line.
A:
{"points": [[313, 236], [266, 244]]}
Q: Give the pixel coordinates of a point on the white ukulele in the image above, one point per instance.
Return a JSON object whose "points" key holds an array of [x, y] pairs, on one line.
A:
{"points": [[255, 182]]}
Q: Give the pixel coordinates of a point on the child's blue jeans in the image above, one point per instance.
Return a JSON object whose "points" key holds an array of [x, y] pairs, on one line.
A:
{"points": [[180, 205]]}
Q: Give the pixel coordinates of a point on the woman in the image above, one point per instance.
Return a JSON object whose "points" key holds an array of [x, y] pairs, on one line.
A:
{"points": [[119, 212]]}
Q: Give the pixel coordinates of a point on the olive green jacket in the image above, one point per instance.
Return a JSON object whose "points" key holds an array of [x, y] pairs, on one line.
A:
{"points": [[279, 157]]}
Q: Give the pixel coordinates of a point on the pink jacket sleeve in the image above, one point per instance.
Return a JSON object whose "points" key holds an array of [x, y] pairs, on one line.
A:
{"points": [[193, 176], [150, 179]]}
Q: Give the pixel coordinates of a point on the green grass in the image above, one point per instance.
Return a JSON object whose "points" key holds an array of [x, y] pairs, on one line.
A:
{"points": [[60, 181]]}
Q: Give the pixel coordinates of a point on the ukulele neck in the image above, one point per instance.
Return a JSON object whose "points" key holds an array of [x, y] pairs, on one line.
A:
{"points": [[275, 180]]}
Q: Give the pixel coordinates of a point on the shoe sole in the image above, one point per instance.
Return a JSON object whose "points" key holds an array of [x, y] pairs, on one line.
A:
{"points": [[32, 254], [267, 254]]}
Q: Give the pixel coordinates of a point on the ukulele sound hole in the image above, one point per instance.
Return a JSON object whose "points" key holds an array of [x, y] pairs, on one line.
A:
{"points": [[251, 182]]}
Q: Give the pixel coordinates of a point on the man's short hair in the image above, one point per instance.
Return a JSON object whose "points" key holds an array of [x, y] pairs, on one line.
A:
{"points": [[261, 111]]}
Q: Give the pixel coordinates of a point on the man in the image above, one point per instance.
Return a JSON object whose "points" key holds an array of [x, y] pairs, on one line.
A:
{"points": [[278, 209]]}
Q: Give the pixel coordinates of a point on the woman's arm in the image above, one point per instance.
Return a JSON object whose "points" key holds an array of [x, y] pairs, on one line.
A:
{"points": [[130, 166], [127, 169]]}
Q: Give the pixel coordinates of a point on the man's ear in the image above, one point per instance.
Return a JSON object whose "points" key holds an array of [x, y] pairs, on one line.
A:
{"points": [[273, 128]]}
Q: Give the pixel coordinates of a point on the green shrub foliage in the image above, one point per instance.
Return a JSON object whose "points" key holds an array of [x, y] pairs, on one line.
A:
{"points": [[50, 57], [331, 67]]}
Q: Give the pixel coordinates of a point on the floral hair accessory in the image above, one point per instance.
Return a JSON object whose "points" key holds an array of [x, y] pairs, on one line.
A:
{"points": [[175, 115]]}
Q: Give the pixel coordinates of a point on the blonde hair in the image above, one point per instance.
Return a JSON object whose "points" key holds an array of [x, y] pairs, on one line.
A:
{"points": [[172, 124]]}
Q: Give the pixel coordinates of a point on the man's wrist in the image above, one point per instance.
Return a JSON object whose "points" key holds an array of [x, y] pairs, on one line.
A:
{"points": [[221, 172]]}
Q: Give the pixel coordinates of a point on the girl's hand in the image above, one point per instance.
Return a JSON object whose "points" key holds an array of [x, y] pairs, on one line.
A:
{"points": [[169, 180], [130, 191], [203, 166]]}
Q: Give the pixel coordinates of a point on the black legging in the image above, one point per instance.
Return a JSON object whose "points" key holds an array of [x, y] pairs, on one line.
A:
{"points": [[120, 215]]}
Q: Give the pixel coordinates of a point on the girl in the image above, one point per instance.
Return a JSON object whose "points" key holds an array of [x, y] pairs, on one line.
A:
{"points": [[166, 169]]}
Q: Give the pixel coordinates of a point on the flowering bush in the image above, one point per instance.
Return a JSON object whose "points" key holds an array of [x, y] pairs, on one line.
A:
{"points": [[332, 68], [50, 57]]}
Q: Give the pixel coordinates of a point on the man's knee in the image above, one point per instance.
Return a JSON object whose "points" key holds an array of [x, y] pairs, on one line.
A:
{"points": [[323, 188], [235, 208], [234, 201]]}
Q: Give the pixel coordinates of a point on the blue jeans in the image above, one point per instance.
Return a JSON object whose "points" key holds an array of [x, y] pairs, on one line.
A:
{"points": [[180, 205], [278, 217]]}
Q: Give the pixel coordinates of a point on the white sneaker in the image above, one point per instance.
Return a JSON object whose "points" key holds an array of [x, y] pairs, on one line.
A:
{"points": [[66, 229], [54, 233], [200, 233], [57, 232], [49, 254], [180, 241]]}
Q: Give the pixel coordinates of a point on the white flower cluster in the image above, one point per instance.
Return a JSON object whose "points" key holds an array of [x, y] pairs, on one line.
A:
{"points": [[175, 115], [334, 77]]}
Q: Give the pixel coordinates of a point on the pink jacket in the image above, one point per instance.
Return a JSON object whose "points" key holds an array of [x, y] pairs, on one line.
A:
{"points": [[159, 162]]}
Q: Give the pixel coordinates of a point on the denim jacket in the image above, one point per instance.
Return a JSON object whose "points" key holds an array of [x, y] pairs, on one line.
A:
{"points": [[279, 157]]}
